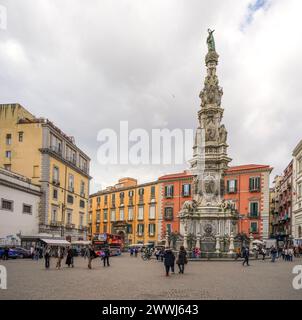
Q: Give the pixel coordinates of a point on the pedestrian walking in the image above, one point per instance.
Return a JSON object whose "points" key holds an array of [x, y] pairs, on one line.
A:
{"points": [[273, 253], [169, 259], [60, 255], [246, 255], [91, 255], [291, 254], [162, 254], [47, 257], [182, 259], [69, 258], [135, 252], [106, 256]]}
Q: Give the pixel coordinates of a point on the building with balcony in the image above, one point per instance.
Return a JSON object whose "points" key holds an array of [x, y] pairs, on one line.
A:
{"points": [[128, 209], [297, 193], [37, 149]]}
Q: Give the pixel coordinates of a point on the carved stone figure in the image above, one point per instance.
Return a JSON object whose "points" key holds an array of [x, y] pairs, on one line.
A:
{"points": [[210, 130], [222, 134], [210, 40]]}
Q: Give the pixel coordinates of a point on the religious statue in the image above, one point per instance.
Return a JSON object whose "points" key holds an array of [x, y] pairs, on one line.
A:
{"points": [[222, 134], [210, 130], [210, 40]]}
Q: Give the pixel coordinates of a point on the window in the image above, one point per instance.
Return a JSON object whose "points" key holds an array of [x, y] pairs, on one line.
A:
{"points": [[55, 174], [105, 228], [140, 213], [152, 212], [98, 216], [71, 182], [254, 209], [71, 155], [255, 184], [112, 215], [152, 229], [69, 217], [82, 191], [54, 215], [140, 229], [129, 228], [105, 214], [122, 217], [55, 194], [232, 186], [8, 139], [130, 214], [98, 200], [97, 229], [70, 199], [82, 204], [131, 193], [81, 219], [20, 136], [169, 191], [254, 227], [8, 167], [168, 213], [8, 154], [153, 192], [122, 195], [113, 199], [7, 205], [83, 164], [55, 144], [186, 190], [141, 191], [106, 200]]}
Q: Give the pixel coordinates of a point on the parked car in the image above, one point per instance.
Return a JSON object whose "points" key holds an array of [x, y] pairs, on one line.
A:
{"points": [[22, 253], [12, 253]]}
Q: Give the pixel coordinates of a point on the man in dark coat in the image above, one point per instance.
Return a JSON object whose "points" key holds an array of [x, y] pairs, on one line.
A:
{"points": [[246, 255], [106, 256], [169, 260], [69, 258], [182, 259]]}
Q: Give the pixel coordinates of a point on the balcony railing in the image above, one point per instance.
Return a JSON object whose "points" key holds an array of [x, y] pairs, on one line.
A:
{"points": [[254, 215], [55, 223]]}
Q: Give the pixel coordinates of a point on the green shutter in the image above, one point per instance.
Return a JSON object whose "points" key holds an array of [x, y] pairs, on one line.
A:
{"points": [[228, 186], [235, 186]]}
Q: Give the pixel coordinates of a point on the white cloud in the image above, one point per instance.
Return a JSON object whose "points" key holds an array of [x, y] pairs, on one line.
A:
{"points": [[87, 66]]}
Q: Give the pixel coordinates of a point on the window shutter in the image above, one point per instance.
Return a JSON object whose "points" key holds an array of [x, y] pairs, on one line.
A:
{"points": [[236, 186], [258, 183], [172, 190], [183, 190], [228, 186], [251, 182], [166, 191], [189, 189]]}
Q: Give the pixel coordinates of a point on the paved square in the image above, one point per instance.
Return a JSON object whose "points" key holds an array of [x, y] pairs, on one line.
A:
{"points": [[133, 278]]}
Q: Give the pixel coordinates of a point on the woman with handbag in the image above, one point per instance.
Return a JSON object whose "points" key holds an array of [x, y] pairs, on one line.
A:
{"points": [[182, 259]]}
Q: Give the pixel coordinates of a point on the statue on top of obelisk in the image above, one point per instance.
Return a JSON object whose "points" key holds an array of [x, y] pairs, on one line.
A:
{"points": [[210, 40]]}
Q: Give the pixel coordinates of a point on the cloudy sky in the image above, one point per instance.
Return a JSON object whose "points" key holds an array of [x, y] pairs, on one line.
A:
{"points": [[87, 65]]}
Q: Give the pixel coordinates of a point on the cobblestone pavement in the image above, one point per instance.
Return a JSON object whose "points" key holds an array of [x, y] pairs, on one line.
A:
{"points": [[133, 278]]}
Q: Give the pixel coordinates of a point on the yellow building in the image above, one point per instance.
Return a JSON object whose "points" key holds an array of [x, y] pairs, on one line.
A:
{"points": [[127, 209], [36, 148]]}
